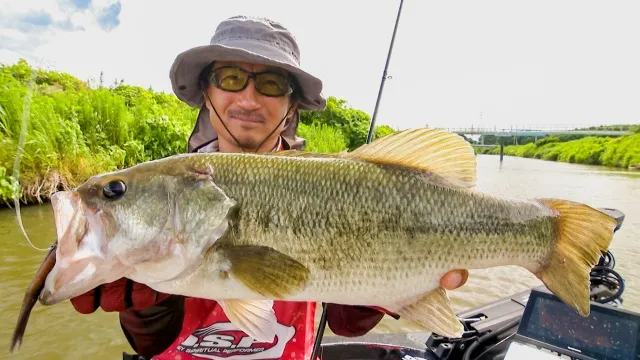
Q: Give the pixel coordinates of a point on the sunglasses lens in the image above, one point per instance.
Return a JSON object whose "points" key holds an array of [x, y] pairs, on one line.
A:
{"points": [[230, 79], [235, 79], [271, 84]]}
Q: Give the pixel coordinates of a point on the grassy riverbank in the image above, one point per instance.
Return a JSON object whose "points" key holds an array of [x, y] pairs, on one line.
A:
{"points": [[81, 128], [622, 152]]}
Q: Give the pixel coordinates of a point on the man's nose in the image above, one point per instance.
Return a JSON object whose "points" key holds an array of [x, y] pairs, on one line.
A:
{"points": [[249, 96]]}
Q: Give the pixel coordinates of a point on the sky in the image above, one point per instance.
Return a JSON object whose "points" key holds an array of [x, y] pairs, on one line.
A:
{"points": [[454, 63]]}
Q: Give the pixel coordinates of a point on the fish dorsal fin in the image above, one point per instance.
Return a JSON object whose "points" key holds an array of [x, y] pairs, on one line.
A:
{"points": [[437, 151]]}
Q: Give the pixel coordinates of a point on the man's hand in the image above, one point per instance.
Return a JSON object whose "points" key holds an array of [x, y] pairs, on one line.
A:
{"points": [[454, 279], [118, 296], [150, 320]]}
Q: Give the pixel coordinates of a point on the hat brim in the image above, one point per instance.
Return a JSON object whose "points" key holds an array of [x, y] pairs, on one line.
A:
{"points": [[188, 65]]}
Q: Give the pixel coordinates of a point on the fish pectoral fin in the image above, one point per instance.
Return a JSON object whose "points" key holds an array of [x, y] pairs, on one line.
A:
{"points": [[266, 271], [433, 311], [255, 317]]}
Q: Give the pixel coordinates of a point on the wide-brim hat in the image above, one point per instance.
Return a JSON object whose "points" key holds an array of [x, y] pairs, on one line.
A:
{"points": [[244, 39]]}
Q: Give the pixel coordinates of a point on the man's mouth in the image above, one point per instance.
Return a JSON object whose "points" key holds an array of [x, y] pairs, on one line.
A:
{"points": [[248, 119]]}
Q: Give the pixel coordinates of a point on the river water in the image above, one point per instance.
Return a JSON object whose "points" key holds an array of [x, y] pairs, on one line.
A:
{"points": [[58, 332]]}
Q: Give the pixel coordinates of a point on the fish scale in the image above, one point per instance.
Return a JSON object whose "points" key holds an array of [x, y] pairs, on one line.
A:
{"points": [[395, 231], [377, 226]]}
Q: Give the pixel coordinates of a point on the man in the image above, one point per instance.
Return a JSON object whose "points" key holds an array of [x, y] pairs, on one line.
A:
{"points": [[249, 87]]}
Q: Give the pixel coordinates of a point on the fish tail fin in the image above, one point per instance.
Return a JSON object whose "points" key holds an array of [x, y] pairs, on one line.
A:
{"points": [[583, 235]]}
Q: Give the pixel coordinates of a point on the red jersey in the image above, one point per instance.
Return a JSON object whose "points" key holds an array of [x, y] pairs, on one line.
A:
{"points": [[207, 333]]}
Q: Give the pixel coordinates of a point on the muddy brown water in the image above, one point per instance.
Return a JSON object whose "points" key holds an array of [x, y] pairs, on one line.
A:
{"points": [[58, 332]]}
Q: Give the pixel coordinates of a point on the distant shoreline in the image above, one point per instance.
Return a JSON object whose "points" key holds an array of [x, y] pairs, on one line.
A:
{"points": [[598, 166], [620, 153]]}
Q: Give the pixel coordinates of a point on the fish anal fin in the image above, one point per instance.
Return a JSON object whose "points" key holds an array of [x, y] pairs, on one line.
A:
{"points": [[266, 271], [433, 311], [255, 317], [583, 235], [437, 151]]}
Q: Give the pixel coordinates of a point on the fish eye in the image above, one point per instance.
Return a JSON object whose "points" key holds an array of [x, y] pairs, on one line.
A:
{"points": [[114, 189]]}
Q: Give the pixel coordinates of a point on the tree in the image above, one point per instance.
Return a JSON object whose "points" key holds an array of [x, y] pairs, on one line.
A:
{"points": [[353, 123]]}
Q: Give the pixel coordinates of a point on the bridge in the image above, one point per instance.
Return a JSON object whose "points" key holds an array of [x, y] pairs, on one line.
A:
{"points": [[537, 131], [541, 130]]}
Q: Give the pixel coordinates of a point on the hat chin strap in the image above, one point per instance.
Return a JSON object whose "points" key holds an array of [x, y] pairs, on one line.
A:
{"points": [[234, 138]]}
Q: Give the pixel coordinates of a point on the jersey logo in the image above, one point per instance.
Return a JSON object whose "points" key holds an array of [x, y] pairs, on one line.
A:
{"points": [[224, 341]]}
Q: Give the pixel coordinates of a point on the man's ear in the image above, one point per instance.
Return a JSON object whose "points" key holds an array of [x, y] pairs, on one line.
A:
{"points": [[290, 115], [292, 109], [206, 97]]}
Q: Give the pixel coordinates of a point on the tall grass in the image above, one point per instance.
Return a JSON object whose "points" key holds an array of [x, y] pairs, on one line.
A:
{"points": [[322, 138], [623, 152], [77, 130]]}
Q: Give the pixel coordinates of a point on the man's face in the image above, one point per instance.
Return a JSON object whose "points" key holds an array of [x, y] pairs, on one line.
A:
{"points": [[249, 115]]}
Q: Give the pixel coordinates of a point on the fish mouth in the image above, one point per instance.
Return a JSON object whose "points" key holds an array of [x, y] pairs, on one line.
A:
{"points": [[47, 298], [81, 264], [64, 283], [70, 221]]}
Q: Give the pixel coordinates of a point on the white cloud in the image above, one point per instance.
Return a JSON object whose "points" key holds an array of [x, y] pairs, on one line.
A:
{"points": [[544, 62], [8, 56], [24, 7], [82, 19]]}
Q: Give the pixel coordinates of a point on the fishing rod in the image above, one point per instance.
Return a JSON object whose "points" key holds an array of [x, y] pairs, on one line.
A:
{"points": [[384, 76], [323, 319]]}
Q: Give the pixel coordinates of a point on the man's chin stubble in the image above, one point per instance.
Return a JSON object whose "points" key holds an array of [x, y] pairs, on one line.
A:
{"points": [[250, 144]]}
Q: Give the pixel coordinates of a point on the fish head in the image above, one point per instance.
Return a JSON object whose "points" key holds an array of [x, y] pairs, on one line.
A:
{"points": [[134, 223]]}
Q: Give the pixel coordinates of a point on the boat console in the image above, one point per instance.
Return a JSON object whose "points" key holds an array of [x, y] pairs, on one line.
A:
{"points": [[549, 328]]}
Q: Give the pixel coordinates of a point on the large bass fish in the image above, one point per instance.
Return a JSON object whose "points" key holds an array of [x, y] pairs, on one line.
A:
{"points": [[377, 226]]}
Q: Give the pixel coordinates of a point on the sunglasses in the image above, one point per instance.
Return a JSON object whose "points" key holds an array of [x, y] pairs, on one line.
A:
{"points": [[267, 83]]}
